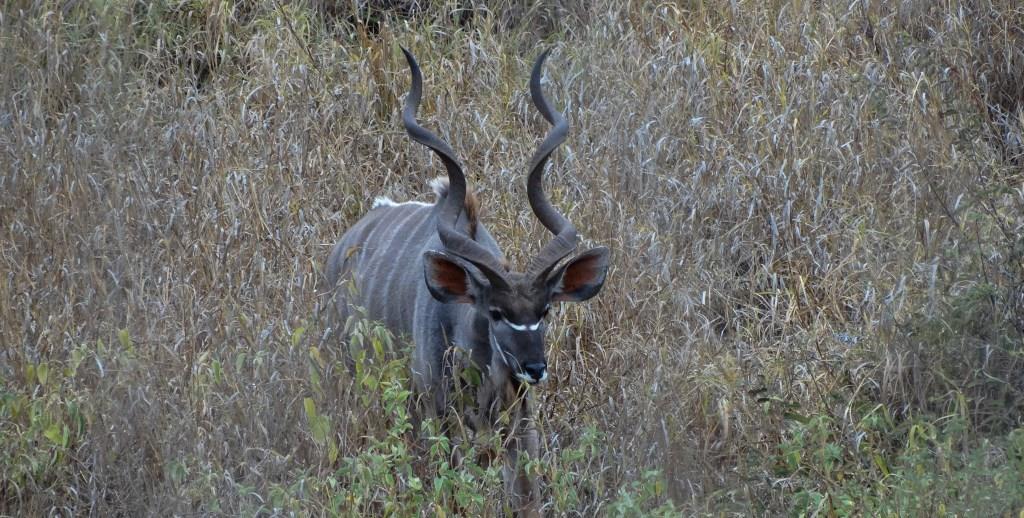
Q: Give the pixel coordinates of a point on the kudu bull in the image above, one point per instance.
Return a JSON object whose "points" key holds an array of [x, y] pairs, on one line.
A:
{"points": [[433, 273]]}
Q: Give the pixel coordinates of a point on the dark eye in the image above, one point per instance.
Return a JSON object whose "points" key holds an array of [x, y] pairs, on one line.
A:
{"points": [[496, 314]]}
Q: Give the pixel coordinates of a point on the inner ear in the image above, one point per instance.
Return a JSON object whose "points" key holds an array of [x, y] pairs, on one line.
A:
{"points": [[449, 279], [581, 278]]}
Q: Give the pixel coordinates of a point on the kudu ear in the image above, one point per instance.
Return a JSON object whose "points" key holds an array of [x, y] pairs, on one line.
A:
{"points": [[580, 278], [451, 279]]}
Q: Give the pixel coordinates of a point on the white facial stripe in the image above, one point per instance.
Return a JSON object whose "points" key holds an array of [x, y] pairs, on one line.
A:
{"points": [[501, 352], [517, 327], [521, 376]]}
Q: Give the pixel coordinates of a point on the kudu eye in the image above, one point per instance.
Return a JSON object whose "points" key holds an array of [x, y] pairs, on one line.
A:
{"points": [[496, 314]]}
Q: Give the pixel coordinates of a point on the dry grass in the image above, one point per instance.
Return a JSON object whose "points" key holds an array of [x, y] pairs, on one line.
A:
{"points": [[815, 209]]}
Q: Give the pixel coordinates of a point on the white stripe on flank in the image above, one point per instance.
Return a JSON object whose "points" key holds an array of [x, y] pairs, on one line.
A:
{"points": [[516, 327], [384, 201]]}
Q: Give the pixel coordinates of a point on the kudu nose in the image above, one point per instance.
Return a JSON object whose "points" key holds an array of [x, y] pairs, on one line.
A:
{"points": [[537, 371]]}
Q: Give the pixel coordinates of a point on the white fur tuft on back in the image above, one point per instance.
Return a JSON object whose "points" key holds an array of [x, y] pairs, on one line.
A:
{"points": [[440, 186], [383, 201], [471, 205]]}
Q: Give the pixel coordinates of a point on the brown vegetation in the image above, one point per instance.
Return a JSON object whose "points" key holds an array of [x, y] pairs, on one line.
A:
{"points": [[815, 211]]}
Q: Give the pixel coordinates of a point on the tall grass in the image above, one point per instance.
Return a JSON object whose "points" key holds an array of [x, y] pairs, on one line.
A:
{"points": [[815, 209]]}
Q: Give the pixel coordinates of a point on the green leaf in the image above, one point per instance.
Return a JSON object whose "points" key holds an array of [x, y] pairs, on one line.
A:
{"points": [[42, 373], [880, 462], [239, 362], [320, 428], [126, 340], [77, 356], [297, 336], [218, 371], [314, 379], [378, 346], [793, 416], [314, 353], [332, 451], [472, 376], [53, 433], [77, 418], [310, 408], [319, 425]]}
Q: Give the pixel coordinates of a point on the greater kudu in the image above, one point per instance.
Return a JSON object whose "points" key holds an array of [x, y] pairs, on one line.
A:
{"points": [[433, 273]]}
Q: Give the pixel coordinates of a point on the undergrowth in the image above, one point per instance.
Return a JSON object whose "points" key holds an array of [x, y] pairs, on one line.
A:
{"points": [[816, 211]]}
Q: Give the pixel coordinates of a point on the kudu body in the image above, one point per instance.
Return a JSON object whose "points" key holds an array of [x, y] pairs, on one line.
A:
{"points": [[431, 272]]}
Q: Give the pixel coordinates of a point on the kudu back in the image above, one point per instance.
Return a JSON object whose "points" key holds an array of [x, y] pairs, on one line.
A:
{"points": [[433, 273]]}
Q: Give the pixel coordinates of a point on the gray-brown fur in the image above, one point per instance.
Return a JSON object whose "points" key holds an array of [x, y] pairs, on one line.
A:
{"points": [[434, 274], [382, 255]]}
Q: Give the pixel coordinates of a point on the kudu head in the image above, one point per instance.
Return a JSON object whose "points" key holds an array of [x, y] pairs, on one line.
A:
{"points": [[515, 304]]}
